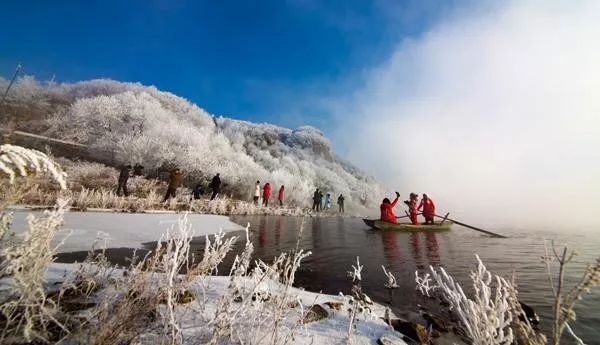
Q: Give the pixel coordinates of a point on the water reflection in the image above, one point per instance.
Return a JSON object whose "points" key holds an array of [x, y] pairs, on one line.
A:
{"points": [[262, 232], [278, 223], [391, 250], [433, 249]]}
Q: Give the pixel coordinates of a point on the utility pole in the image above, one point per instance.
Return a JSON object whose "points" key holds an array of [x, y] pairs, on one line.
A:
{"points": [[11, 124]]}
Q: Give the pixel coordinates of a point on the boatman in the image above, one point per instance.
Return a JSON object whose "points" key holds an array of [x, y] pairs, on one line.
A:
{"points": [[387, 210], [428, 209], [412, 208]]}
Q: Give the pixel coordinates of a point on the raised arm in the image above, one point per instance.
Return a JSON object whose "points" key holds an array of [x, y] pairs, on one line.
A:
{"points": [[396, 200]]}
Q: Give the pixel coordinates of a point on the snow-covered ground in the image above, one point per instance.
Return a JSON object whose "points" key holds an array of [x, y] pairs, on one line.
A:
{"points": [[209, 291], [128, 230]]}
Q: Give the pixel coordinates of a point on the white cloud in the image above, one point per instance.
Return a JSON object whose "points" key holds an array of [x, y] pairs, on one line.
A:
{"points": [[495, 112]]}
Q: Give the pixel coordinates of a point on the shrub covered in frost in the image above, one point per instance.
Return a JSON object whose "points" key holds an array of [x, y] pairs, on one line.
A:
{"points": [[135, 123]]}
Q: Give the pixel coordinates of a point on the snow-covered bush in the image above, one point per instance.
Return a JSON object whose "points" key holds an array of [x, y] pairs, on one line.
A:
{"points": [[133, 123]]}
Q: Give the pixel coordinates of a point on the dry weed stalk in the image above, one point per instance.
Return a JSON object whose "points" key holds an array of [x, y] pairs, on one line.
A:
{"points": [[564, 301], [487, 318], [28, 313], [256, 309]]}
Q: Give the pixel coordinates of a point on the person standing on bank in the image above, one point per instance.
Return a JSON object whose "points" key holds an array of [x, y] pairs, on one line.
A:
{"points": [[256, 193], [174, 182], [320, 206], [123, 177], [281, 195], [316, 200], [215, 185], [340, 203], [266, 194]]}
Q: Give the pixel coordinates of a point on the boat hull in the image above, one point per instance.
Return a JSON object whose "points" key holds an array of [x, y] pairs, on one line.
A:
{"points": [[407, 227]]}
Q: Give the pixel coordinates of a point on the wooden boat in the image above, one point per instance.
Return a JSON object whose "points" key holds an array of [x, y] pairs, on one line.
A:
{"points": [[408, 227]]}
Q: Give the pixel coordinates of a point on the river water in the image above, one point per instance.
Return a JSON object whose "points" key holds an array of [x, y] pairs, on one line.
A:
{"points": [[336, 242]]}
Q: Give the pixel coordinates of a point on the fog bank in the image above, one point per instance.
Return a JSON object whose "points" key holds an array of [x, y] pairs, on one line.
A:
{"points": [[494, 112]]}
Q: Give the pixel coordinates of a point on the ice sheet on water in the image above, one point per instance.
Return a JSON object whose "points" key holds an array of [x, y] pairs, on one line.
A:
{"points": [[124, 229]]}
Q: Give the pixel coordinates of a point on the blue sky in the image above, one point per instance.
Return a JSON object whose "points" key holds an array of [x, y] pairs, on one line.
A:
{"points": [[263, 61]]}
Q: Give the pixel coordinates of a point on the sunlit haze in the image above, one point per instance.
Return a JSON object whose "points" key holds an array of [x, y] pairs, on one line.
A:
{"points": [[494, 112]]}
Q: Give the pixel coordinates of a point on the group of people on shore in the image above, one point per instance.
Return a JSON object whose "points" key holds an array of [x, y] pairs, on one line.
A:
{"points": [[323, 202], [414, 206], [175, 176], [266, 194], [320, 201]]}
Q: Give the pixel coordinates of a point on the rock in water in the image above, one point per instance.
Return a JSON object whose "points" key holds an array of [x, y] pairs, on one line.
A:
{"points": [[437, 323], [315, 313], [390, 339], [334, 305], [530, 313], [411, 330]]}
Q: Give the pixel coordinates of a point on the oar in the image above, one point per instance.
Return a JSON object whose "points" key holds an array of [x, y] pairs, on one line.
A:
{"points": [[407, 215], [471, 227]]}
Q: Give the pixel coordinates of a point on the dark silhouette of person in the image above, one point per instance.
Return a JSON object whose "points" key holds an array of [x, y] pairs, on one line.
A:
{"points": [[340, 202], [198, 192], [138, 169], [215, 185], [123, 177], [320, 203], [174, 182], [316, 201]]}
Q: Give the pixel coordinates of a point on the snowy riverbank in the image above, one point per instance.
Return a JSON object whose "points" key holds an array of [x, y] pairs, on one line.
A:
{"points": [[123, 230], [308, 318]]}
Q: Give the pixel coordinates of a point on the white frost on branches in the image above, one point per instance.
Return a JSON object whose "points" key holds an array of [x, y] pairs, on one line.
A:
{"points": [[424, 283], [17, 160], [391, 283], [135, 123], [357, 270], [487, 317]]}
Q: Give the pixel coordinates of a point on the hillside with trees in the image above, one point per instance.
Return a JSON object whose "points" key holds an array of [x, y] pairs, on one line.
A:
{"points": [[132, 123]]}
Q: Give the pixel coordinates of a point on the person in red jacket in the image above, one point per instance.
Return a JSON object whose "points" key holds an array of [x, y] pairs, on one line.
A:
{"points": [[280, 196], [428, 209], [266, 193], [387, 210], [412, 208]]}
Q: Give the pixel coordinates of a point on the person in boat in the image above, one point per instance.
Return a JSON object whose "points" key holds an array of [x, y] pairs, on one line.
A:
{"points": [[281, 195], [266, 194], [413, 208], [387, 210], [428, 209]]}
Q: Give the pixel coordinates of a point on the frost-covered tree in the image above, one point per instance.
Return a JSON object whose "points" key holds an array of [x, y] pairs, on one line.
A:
{"points": [[135, 123]]}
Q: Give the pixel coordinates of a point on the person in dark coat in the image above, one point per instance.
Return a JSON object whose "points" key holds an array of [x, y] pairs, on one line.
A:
{"points": [[215, 185], [198, 192], [123, 177], [316, 200], [174, 182], [320, 202], [340, 203], [138, 169]]}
